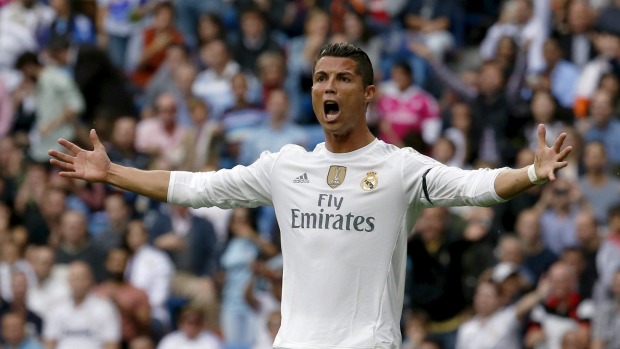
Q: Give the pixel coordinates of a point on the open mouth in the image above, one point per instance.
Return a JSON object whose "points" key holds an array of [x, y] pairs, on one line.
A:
{"points": [[331, 110]]}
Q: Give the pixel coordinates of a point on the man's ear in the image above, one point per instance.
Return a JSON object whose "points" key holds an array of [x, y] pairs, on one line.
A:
{"points": [[369, 92]]}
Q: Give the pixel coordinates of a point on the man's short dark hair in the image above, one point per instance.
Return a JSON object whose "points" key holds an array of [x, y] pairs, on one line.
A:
{"points": [[346, 50], [27, 58]]}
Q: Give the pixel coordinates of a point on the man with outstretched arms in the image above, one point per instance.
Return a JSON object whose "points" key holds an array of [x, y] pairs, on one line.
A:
{"points": [[345, 209]]}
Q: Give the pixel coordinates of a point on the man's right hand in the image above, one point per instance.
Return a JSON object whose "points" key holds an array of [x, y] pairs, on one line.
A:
{"points": [[89, 165]]}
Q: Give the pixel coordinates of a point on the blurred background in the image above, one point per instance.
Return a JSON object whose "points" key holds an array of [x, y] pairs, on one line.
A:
{"points": [[202, 85]]}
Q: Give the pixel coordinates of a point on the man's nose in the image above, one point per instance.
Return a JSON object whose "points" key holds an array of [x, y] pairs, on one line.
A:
{"points": [[330, 86]]}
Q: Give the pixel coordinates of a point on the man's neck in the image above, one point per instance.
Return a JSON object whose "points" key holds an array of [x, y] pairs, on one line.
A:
{"points": [[348, 142]]}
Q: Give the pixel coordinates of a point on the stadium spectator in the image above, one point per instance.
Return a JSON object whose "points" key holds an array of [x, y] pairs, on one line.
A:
{"points": [[435, 275], [75, 245], [601, 190], [537, 257], [240, 120], [575, 257], [608, 257], [275, 132], [71, 324], [156, 135], [604, 126], [176, 76], [408, 115], [519, 20], [607, 43], [117, 21], [264, 294], [238, 320], [559, 206], [214, 83], [495, 106], [357, 33], [544, 109], [301, 53], [577, 47], [21, 24], [149, 52], [102, 84], [50, 286], [59, 103], [201, 143], [563, 310], [150, 270], [271, 73], [210, 27], [606, 322], [191, 333], [430, 21], [117, 216], [495, 325], [12, 262], [122, 144], [132, 303], [14, 334], [255, 38], [561, 74], [70, 24], [18, 305]]}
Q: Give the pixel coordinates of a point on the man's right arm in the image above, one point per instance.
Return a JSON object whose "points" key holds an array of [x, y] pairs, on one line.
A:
{"points": [[153, 184]]}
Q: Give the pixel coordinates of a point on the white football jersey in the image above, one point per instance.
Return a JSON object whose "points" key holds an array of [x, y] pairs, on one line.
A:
{"points": [[344, 221]]}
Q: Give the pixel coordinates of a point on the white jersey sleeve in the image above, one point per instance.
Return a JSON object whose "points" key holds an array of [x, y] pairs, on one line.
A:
{"points": [[240, 186], [450, 186]]}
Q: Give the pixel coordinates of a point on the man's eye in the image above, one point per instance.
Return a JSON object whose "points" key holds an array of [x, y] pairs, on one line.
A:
{"points": [[320, 79], [345, 79]]}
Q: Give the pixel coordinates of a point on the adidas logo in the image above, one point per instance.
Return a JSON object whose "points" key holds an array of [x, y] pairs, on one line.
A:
{"points": [[302, 179]]}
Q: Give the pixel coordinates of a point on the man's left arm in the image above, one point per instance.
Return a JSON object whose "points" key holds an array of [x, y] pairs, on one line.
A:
{"points": [[512, 182]]}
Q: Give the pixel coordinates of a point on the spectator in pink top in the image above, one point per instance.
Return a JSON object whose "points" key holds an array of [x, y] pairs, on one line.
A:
{"points": [[155, 136], [408, 114]]}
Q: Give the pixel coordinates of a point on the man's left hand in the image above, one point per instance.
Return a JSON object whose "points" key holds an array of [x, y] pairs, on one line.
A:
{"points": [[547, 160]]}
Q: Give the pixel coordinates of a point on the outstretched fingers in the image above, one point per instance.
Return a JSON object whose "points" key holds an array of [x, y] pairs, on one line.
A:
{"points": [[70, 146], [65, 166], [95, 139], [542, 134], [61, 156], [564, 153], [558, 142]]}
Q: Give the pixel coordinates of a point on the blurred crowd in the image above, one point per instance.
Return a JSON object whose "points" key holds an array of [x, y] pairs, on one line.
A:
{"points": [[201, 85]]}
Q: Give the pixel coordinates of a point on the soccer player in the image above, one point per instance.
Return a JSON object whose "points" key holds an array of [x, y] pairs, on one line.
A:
{"points": [[345, 209]]}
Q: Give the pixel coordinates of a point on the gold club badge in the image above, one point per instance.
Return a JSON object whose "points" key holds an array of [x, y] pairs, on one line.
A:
{"points": [[370, 182], [335, 175]]}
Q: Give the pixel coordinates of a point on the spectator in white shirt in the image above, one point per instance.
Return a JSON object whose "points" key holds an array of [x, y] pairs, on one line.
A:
{"points": [[150, 270], [191, 333], [493, 326], [51, 286], [85, 321]]}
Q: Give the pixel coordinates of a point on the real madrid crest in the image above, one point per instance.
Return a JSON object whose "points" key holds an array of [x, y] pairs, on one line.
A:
{"points": [[335, 175], [370, 182]]}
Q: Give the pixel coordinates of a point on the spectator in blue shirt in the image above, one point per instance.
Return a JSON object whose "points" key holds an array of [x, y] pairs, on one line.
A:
{"points": [[604, 128], [14, 333]]}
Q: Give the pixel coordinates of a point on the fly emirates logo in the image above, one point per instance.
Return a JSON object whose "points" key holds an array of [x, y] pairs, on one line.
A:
{"points": [[330, 221]]}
